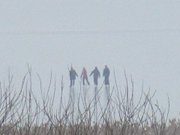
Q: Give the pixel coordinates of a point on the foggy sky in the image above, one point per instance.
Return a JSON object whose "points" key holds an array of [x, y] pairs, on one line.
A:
{"points": [[139, 36]]}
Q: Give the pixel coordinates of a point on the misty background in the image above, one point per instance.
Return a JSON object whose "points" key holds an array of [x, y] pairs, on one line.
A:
{"points": [[141, 37]]}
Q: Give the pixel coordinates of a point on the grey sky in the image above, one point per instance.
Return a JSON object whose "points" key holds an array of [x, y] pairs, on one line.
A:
{"points": [[141, 36]]}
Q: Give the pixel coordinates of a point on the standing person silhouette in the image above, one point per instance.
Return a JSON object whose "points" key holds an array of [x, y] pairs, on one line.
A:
{"points": [[96, 75], [106, 74], [84, 76], [72, 75]]}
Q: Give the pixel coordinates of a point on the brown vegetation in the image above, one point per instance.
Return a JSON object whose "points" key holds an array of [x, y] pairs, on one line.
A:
{"points": [[21, 113]]}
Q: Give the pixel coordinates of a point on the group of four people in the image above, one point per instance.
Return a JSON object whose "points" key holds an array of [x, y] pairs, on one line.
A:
{"points": [[84, 76]]}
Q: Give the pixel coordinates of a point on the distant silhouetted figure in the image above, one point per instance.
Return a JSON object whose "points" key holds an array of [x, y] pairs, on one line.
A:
{"points": [[84, 76], [96, 75], [72, 75], [106, 74]]}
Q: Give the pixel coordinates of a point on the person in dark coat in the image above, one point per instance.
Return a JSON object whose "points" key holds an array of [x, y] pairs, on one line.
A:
{"points": [[84, 76], [72, 75], [106, 74], [96, 75]]}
